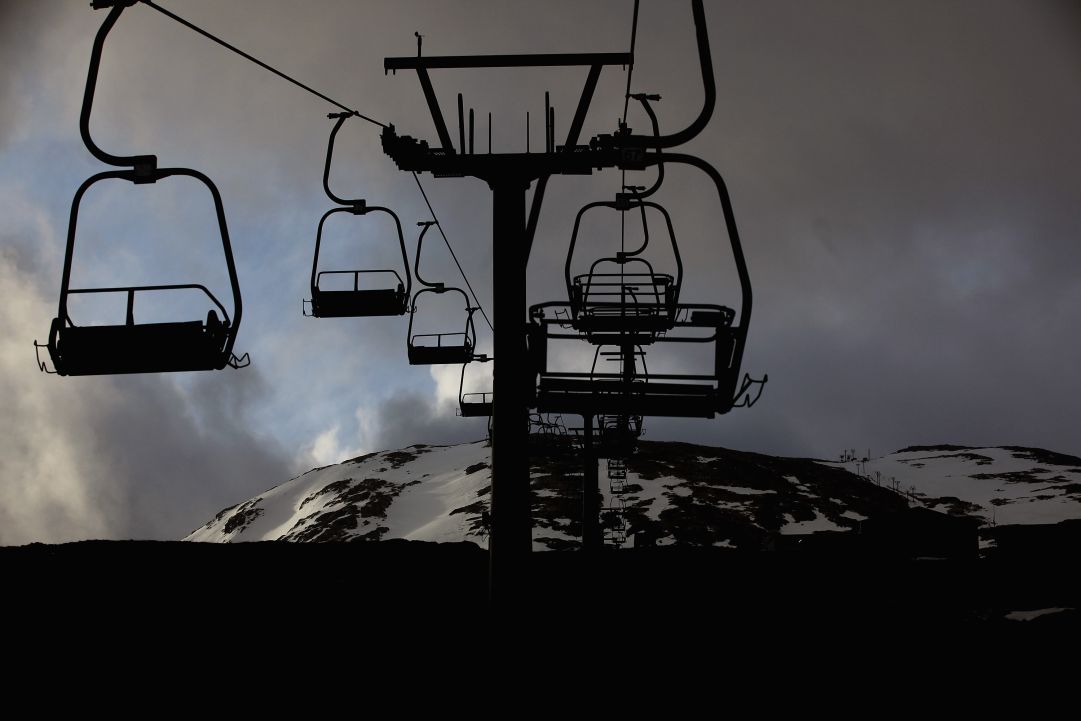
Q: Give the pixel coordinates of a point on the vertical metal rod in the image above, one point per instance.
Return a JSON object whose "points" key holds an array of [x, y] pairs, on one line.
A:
{"points": [[131, 307], [547, 122], [591, 527], [552, 127], [471, 131], [511, 542], [461, 125], [489, 133], [527, 131]]}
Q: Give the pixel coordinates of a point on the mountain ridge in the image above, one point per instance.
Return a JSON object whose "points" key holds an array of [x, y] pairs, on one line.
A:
{"points": [[674, 493]]}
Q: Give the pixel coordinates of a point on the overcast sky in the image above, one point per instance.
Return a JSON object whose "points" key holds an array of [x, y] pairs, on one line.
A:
{"points": [[906, 178]]}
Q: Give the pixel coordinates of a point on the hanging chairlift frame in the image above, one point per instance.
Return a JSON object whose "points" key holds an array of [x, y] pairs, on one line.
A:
{"points": [[600, 319], [474, 403], [599, 305], [138, 347], [419, 351], [653, 394], [356, 302]]}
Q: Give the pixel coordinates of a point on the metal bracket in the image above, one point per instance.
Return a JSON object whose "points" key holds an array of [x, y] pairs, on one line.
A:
{"points": [[744, 391], [242, 362], [37, 354]]}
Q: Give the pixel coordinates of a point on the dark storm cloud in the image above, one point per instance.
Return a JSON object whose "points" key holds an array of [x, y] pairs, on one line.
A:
{"points": [[126, 457], [906, 178], [409, 417], [174, 455], [19, 22], [908, 193]]}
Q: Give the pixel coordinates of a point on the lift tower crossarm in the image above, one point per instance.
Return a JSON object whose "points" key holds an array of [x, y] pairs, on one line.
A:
{"points": [[536, 60], [594, 61]]}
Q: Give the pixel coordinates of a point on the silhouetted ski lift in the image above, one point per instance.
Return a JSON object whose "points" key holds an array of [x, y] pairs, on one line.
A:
{"points": [[617, 435], [439, 348], [508, 175], [474, 403], [623, 294], [641, 392], [133, 347], [642, 303], [390, 299]]}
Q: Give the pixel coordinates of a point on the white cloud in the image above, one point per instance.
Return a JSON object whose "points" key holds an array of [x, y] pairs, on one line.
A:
{"points": [[327, 448]]}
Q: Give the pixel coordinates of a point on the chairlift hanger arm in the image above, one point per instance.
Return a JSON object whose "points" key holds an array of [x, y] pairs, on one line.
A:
{"points": [[730, 224], [624, 254], [574, 240], [644, 100], [401, 244], [705, 61], [356, 203], [143, 164], [439, 287], [319, 242]]}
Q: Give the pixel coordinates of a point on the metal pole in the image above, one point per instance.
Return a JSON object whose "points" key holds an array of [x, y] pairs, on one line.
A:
{"points": [[511, 539], [592, 537]]}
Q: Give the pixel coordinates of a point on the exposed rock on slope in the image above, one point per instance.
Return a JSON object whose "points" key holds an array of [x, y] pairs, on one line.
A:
{"points": [[676, 493]]}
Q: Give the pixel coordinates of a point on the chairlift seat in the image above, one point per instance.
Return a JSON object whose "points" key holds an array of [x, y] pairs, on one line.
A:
{"points": [[140, 348], [715, 318], [359, 303], [611, 320], [614, 396], [612, 386], [651, 289], [473, 409], [440, 354]]}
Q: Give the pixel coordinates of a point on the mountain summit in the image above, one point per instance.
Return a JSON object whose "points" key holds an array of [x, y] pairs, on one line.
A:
{"points": [[672, 494]]}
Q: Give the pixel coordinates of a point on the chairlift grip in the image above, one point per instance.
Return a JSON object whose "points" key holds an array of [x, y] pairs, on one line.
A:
{"points": [[143, 165], [358, 204]]}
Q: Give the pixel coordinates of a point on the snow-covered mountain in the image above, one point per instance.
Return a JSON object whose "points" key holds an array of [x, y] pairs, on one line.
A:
{"points": [[674, 493], [1007, 485]]}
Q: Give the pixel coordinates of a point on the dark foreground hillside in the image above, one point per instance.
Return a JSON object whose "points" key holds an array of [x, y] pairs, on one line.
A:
{"points": [[253, 585]]}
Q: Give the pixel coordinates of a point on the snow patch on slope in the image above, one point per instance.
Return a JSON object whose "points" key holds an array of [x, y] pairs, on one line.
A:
{"points": [[1009, 485]]}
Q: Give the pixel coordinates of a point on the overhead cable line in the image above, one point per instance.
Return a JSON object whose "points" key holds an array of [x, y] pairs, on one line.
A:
{"points": [[294, 81], [258, 62], [452, 255]]}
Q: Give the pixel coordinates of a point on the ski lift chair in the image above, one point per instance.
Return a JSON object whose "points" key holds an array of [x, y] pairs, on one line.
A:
{"points": [[439, 348], [388, 294], [131, 347], [623, 294], [475, 403]]}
